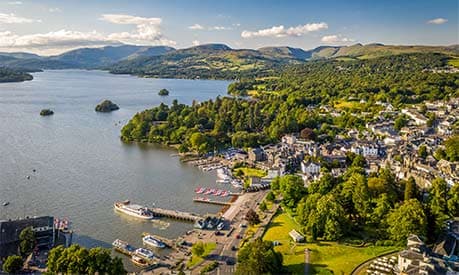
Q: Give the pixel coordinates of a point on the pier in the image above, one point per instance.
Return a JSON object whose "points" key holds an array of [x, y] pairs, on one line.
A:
{"points": [[211, 201], [174, 214]]}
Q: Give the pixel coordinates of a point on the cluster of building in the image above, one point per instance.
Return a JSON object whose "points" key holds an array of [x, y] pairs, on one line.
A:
{"points": [[380, 144], [48, 233]]}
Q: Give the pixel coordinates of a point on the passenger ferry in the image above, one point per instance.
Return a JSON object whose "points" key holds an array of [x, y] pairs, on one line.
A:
{"points": [[152, 241], [134, 210], [144, 253]]}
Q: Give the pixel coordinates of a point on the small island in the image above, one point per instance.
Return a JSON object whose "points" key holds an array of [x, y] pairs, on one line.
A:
{"points": [[163, 92], [106, 106], [46, 112]]}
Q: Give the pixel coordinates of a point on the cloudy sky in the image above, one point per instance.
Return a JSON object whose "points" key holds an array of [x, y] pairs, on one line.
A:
{"points": [[52, 26]]}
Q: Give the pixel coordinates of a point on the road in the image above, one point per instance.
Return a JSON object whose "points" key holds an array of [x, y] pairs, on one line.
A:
{"points": [[224, 252], [306, 261]]}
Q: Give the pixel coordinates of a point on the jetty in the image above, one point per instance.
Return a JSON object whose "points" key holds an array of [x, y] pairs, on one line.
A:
{"points": [[211, 201], [174, 214]]}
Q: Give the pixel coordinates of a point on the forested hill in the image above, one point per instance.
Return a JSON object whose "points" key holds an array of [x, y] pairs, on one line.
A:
{"points": [[281, 103], [8, 75], [217, 61], [212, 61]]}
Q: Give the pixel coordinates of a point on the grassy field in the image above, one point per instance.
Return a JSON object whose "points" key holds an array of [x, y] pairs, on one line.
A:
{"points": [[208, 247], [325, 257], [352, 105], [454, 62], [251, 172]]}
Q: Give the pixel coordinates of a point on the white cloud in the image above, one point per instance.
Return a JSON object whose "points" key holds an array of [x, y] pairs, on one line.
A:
{"points": [[437, 21], [281, 31], [11, 18], [195, 42], [52, 10], [147, 32], [336, 39], [196, 27], [15, 3], [219, 28]]}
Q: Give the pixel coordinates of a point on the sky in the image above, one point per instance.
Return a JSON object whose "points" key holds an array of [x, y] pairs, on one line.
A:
{"points": [[50, 27]]}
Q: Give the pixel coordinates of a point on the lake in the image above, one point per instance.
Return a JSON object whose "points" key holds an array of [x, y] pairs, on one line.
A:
{"points": [[81, 165]]}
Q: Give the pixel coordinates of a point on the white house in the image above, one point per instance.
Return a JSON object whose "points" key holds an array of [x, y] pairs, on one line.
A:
{"points": [[310, 168]]}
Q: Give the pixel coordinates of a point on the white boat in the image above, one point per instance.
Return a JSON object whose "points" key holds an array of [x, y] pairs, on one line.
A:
{"points": [[134, 210], [152, 241], [225, 181], [144, 253]]}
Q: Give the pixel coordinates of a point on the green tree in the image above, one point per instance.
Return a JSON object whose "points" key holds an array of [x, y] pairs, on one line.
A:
{"points": [[453, 201], [263, 206], [259, 257], [270, 196], [422, 151], [407, 218], [452, 148], [400, 122], [13, 264], [292, 189], [27, 240], [198, 249], [410, 189]]}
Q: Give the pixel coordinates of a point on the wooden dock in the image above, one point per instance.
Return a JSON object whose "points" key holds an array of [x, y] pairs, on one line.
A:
{"points": [[174, 214], [211, 201]]}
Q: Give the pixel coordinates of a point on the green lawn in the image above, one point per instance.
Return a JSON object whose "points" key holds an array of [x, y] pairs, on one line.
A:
{"points": [[325, 257], [454, 62], [208, 247], [251, 172]]}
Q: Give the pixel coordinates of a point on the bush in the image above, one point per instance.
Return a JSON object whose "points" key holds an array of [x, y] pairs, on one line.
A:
{"points": [[12, 264], [213, 265]]}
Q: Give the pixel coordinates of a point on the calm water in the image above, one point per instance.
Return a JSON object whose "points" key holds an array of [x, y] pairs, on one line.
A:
{"points": [[82, 167]]}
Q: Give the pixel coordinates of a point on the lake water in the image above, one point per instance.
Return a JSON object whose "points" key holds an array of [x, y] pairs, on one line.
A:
{"points": [[81, 165]]}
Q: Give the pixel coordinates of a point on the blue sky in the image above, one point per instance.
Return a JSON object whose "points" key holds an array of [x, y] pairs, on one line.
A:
{"points": [[51, 26]]}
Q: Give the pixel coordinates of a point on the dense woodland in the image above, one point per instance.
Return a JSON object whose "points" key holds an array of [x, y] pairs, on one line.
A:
{"points": [[9, 75], [283, 104], [371, 207]]}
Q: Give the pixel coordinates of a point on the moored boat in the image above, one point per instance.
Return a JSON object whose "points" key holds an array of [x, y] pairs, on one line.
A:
{"points": [[144, 253], [152, 241], [134, 210]]}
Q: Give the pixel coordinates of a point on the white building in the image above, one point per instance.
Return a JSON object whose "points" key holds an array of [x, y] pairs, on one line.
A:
{"points": [[310, 168]]}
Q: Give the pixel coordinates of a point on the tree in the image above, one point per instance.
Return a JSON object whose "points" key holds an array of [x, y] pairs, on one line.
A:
{"points": [[13, 264], [407, 218], [308, 134], [453, 201], [79, 260], [452, 148], [259, 257], [400, 122], [27, 240], [410, 189], [263, 206], [252, 217], [270, 196], [198, 249], [422, 151], [292, 189]]}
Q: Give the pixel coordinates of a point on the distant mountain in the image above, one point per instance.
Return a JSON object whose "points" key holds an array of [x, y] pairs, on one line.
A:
{"points": [[378, 50], [204, 61], [100, 57], [21, 55], [286, 52]]}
